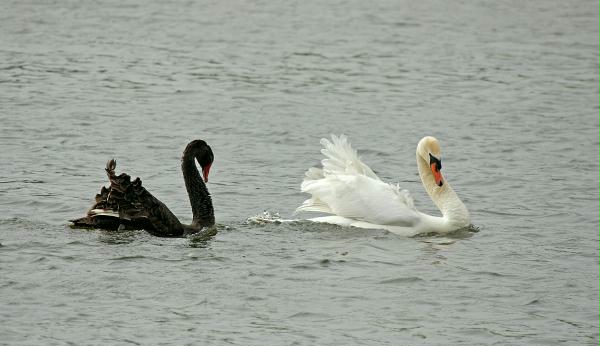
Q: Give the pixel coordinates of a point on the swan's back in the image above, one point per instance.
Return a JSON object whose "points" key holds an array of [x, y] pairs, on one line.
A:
{"points": [[126, 204]]}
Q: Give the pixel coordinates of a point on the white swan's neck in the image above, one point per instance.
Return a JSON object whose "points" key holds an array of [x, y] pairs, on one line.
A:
{"points": [[454, 213]]}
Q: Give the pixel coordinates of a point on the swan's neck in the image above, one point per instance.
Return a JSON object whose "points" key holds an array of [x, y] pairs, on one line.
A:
{"points": [[455, 213], [202, 209]]}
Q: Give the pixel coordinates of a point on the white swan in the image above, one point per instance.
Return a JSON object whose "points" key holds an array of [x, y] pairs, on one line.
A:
{"points": [[350, 190]]}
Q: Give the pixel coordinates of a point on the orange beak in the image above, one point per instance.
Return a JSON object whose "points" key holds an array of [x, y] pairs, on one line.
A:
{"points": [[205, 171], [437, 175]]}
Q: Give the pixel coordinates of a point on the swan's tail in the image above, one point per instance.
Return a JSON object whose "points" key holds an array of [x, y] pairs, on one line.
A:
{"points": [[314, 204], [108, 212], [312, 175]]}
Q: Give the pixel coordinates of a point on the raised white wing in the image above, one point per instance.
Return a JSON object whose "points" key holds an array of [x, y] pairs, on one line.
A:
{"points": [[343, 159], [347, 187]]}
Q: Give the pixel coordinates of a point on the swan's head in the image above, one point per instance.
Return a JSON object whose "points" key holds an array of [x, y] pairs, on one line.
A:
{"points": [[428, 149], [203, 154]]}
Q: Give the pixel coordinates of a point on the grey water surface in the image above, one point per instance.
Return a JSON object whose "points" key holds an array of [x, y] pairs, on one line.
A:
{"points": [[510, 88]]}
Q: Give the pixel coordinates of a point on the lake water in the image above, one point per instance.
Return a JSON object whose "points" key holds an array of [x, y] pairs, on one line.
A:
{"points": [[510, 89]]}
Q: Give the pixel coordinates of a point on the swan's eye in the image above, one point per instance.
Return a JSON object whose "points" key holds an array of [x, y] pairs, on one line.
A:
{"points": [[434, 160]]}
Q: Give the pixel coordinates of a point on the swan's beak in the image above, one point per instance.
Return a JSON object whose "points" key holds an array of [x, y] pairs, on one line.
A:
{"points": [[436, 167], [437, 175], [205, 171]]}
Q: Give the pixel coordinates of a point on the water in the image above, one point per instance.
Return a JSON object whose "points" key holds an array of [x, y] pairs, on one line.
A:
{"points": [[509, 88]]}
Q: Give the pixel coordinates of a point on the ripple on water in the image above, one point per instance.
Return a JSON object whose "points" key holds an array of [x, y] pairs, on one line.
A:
{"points": [[401, 280]]}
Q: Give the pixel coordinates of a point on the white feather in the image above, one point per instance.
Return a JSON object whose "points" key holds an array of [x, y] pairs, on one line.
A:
{"points": [[347, 187]]}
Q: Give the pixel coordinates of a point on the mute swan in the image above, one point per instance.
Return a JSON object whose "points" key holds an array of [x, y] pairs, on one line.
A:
{"points": [[349, 189], [127, 204]]}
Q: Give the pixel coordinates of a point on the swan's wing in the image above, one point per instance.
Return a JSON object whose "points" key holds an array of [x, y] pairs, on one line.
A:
{"points": [[347, 187], [343, 159], [128, 203], [360, 197]]}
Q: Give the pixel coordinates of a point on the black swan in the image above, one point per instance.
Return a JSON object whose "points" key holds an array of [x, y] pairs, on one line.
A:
{"points": [[127, 204]]}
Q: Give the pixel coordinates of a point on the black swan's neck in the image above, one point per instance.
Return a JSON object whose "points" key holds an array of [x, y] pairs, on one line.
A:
{"points": [[202, 208]]}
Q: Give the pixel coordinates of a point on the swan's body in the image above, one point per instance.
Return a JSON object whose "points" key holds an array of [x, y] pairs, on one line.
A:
{"points": [[356, 196], [127, 204]]}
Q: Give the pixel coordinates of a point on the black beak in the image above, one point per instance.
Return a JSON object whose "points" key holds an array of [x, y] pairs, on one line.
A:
{"points": [[438, 162]]}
